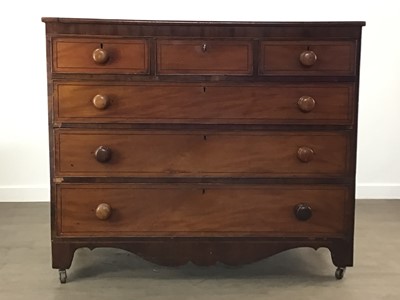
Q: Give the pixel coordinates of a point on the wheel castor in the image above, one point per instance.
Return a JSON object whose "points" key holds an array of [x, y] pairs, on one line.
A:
{"points": [[340, 272], [63, 276]]}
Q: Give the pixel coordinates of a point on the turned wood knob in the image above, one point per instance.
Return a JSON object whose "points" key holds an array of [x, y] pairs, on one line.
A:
{"points": [[100, 101], [308, 58], [303, 211], [103, 154], [103, 211], [306, 103], [305, 154], [100, 56]]}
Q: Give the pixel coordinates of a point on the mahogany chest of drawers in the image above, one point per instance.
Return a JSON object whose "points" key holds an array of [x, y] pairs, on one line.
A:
{"points": [[202, 141]]}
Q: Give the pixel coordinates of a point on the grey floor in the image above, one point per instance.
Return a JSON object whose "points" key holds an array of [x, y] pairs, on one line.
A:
{"points": [[25, 269]]}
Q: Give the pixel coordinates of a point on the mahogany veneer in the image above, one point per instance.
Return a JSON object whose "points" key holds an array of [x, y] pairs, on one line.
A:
{"points": [[202, 141]]}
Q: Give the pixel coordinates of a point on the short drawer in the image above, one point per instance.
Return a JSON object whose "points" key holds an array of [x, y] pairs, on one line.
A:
{"points": [[75, 55], [200, 210], [204, 103], [175, 153], [308, 58], [204, 57]]}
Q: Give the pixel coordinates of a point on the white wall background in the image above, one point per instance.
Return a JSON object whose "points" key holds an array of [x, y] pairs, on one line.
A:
{"points": [[24, 164]]}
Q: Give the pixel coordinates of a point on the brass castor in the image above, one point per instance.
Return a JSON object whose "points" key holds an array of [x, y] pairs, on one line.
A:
{"points": [[340, 273], [63, 276]]}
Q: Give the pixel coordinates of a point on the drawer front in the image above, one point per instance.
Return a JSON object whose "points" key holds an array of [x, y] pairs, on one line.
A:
{"points": [[237, 154], [125, 56], [204, 103], [189, 210], [308, 58], [205, 57]]}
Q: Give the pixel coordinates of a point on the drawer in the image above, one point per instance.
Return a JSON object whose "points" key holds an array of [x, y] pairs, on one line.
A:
{"points": [[175, 153], [204, 103], [206, 57], [308, 58], [125, 56], [200, 210]]}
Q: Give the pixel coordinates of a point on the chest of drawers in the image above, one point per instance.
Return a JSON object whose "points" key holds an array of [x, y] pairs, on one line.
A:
{"points": [[202, 141]]}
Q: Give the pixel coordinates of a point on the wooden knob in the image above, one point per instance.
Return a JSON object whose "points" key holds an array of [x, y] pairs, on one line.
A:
{"points": [[308, 58], [103, 154], [100, 56], [305, 154], [302, 211], [103, 211], [306, 103], [100, 101]]}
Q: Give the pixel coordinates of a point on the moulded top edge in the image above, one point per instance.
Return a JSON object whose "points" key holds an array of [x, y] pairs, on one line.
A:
{"points": [[194, 23]]}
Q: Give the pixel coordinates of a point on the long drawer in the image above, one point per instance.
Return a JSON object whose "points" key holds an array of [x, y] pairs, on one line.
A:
{"points": [[199, 153], [200, 210], [204, 103]]}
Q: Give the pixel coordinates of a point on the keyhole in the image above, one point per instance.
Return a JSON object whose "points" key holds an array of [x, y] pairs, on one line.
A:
{"points": [[204, 89], [205, 137], [204, 191], [101, 45]]}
